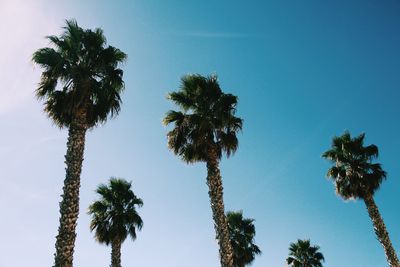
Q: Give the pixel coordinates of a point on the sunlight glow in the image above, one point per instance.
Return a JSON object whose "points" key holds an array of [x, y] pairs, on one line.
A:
{"points": [[21, 37]]}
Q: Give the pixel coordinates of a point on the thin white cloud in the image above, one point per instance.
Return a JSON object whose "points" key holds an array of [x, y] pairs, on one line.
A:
{"points": [[227, 35], [212, 35], [19, 190], [29, 145]]}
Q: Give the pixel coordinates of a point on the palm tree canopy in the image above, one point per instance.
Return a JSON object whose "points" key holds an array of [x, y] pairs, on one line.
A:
{"points": [[242, 232], [114, 215], [87, 71], [206, 119], [302, 254], [353, 172]]}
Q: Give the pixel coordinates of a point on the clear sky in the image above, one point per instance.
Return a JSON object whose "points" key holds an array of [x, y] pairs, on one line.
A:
{"points": [[304, 71]]}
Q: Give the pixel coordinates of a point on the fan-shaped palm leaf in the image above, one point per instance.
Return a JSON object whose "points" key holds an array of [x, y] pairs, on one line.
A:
{"points": [[242, 232], [302, 254], [114, 216]]}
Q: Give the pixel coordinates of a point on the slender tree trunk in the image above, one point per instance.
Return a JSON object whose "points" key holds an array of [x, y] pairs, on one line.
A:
{"points": [[214, 182], [116, 254], [381, 232], [69, 205]]}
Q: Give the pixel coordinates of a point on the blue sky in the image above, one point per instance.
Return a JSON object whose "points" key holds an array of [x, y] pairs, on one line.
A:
{"points": [[304, 71]]}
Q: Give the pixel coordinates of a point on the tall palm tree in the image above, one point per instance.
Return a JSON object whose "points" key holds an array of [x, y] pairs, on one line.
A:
{"points": [[204, 129], [81, 85], [241, 234], [302, 254], [114, 216], [357, 177]]}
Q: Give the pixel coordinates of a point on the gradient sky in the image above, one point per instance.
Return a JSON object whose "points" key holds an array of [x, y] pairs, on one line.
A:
{"points": [[304, 71]]}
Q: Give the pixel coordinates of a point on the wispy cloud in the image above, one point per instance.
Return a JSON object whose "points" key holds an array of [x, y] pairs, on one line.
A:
{"points": [[29, 145], [21, 191], [211, 34], [227, 35]]}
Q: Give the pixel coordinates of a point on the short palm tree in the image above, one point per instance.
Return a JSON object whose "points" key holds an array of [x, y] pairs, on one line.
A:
{"points": [[81, 85], [114, 216], [205, 127], [241, 234], [302, 254], [357, 177]]}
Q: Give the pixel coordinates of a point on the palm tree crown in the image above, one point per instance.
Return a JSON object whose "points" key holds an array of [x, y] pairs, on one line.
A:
{"points": [[242, 232], [302, 254], [356, 176], [87, 69], [353, 172], [207, 119], [114, 215]]}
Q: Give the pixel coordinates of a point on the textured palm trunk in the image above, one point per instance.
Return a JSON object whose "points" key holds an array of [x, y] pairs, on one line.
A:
{"points": [[69, 205], [116, 254], [381, 232], [214, 182]]}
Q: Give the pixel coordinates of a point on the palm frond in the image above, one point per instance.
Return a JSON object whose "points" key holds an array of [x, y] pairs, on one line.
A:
{"points": [[242, 233], [354, 173], [182, 99], [302, 253], [88, 72], [206, 119], [114, 215]]}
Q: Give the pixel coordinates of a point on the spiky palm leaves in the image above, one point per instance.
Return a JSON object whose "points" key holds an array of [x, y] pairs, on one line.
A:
{"points": [[206, 121], [87, 68], [357, 177], [302, 254], [241, 234], [80, 85], [114, 216], [205, 127], [353, 173]]}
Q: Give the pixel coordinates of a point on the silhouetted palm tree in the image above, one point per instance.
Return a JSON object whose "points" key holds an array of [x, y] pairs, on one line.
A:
{"points": [[302, 254], [81, 85], [204, 129], [356, 177], [241, 234], [114, 216]]}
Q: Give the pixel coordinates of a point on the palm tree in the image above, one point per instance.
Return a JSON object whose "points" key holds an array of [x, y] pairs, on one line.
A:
{"points": [[204, 129], [357, 177], [89, 91], [302, 254], [114, 216], [241, 234]]}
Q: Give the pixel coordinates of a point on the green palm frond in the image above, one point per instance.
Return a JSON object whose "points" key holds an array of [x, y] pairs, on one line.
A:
{"points": [[206, 119], [353, 171], [88, 74], [303, 254], [242, 232], [114, 215]]}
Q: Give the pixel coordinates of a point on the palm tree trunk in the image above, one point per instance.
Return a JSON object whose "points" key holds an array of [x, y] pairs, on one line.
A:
{"points": [[116, 254], [214, 182], [69, 205], [381, 232]]}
